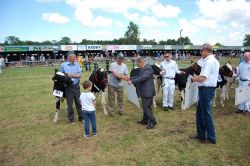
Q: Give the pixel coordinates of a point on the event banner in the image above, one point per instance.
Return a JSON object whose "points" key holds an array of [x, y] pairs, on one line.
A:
{"points": [[16, 48], [131, 93], [190, 96], [121, 47], [81, 47], [242, 94], [94, 47], [68, 47]]}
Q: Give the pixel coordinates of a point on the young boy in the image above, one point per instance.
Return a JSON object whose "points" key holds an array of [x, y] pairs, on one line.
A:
{"points": [[88, 103]]}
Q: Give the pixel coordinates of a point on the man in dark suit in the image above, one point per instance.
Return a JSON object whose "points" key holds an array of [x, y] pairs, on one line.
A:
{"points": [[145, 90]]}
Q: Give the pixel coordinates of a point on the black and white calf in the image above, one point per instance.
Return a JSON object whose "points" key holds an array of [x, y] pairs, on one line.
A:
{"points": [[182, 79], [225, 79], [99, 78], [60, 83]]}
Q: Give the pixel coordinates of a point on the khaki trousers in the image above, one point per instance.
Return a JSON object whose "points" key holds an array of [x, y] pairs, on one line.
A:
{"points": [[111, 97]]}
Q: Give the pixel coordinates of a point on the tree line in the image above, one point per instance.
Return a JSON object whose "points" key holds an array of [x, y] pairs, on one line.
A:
{"points": [[131, 37]]}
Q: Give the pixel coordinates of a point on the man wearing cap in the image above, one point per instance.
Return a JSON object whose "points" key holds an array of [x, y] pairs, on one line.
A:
{"points": [[73, 70], [119, 71], [169, 69], [207, 81], [244, 80]]}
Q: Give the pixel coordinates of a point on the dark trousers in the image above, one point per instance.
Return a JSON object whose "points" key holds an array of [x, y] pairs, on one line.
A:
{"points": [[147, 110], [73, 93], [204, 119]]}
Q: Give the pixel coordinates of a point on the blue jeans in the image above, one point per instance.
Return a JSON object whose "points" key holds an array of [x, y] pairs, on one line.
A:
{"points": [[89, 116], [204, 119]]}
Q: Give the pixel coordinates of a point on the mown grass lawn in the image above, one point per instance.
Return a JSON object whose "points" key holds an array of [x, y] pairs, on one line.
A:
{"points": [[29, 137]]}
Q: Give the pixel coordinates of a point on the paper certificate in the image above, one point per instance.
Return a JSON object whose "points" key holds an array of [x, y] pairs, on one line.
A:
{"points": [[190, 96], [131, 93], [242, 94]]}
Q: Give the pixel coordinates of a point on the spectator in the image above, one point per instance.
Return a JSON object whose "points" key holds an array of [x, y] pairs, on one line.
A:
{"points": [[88, 103]]}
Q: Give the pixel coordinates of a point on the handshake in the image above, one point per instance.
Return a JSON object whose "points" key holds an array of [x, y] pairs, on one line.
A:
{"points": [[127, 78]]}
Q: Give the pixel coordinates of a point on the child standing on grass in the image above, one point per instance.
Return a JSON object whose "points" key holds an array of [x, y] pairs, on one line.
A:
{"points": [[87, 99]]}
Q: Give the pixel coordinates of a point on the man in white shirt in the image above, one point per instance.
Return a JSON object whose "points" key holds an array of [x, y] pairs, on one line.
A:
{"points": [[207, 81], [244, 80], [169, 69]]}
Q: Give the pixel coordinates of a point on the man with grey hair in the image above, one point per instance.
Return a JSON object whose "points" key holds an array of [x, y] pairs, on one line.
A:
{"points": [[72, 70], [144, 84], [207, 81], [119, 72], [244, 80]]}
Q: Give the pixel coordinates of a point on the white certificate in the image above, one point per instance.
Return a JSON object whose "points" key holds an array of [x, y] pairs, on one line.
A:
{"points": [[190, 96], [131, 93], [242, 94]]}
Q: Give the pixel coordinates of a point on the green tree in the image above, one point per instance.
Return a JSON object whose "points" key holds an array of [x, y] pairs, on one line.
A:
{"points": [[46, 42], [246, 41], [132, 35], [218, 44], [184, 41], [12, 40], [65, 40]]}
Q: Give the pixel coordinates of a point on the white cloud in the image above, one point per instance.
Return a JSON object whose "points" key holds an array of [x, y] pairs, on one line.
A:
{"points": [[188, 27], [55, 18], [152, 22], [120, 24], [205, 23], [165, 11], [131, 16], [48, 1]]}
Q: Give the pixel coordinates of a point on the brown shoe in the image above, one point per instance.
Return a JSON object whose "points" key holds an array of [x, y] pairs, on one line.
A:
{"points": [[120, 113], [112, 114], [196, 137]]}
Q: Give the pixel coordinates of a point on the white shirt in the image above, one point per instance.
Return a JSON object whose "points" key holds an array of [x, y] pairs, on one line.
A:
{"points": [[244, 71], [170, 68], [86, 99], [1, 61], [209, 69]]}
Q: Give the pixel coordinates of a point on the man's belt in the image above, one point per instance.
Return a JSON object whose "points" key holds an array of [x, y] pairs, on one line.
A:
{"points": [[168, 78], [244, 80], [206, 87]]}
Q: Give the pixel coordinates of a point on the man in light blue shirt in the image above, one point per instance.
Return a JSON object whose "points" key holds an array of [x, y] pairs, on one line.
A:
{"points": [[72, 70]]}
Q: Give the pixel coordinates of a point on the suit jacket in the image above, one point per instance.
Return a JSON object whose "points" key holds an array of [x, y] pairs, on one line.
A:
{"points": [[144, 82]]}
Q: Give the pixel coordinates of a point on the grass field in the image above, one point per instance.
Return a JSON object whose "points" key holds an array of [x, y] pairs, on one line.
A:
{"points": [[29, 137]]}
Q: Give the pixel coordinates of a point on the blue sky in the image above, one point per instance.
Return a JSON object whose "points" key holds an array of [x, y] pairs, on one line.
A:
{"points": [[202, 21]]}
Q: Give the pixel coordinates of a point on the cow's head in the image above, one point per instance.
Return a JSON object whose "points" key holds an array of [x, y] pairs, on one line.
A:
{"points": [[196, 68], [156, 69], [135, 72], [61, 79], [227, 70], [99, 78]]}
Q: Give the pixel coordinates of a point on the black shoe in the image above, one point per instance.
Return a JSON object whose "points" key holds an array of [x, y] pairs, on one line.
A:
{"points": [[239, 111], [171, 108], [206, 141], [196, 137], [142, 122], [165, 108], [150, 126], [154, 123]]}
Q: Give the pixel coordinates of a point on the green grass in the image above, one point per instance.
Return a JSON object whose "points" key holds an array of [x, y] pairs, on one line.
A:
{"points": [[29, 137]]}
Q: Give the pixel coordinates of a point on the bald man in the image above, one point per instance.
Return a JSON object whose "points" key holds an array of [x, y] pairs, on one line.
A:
{"points": [[244, 80]]}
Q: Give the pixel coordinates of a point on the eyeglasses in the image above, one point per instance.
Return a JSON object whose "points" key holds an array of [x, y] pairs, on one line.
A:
{"points": [[202, 50]]}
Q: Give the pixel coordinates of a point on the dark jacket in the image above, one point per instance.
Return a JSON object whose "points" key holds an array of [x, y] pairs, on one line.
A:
{"points": [[144, 82]]}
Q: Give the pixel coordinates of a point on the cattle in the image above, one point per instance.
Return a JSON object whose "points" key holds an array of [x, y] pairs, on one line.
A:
{"points": [[182, 79], [61, 81], [225, 79], [99, 78]]}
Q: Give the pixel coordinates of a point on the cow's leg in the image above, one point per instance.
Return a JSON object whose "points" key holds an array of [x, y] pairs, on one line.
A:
{"points": [[222, 96], [182, 98], [158, 85], [57, 109], [154, 101], [104, 103], [214, 99]]}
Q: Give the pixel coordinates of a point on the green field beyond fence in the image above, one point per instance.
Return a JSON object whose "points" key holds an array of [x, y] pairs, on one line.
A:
{"points": [[29, 137]]}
